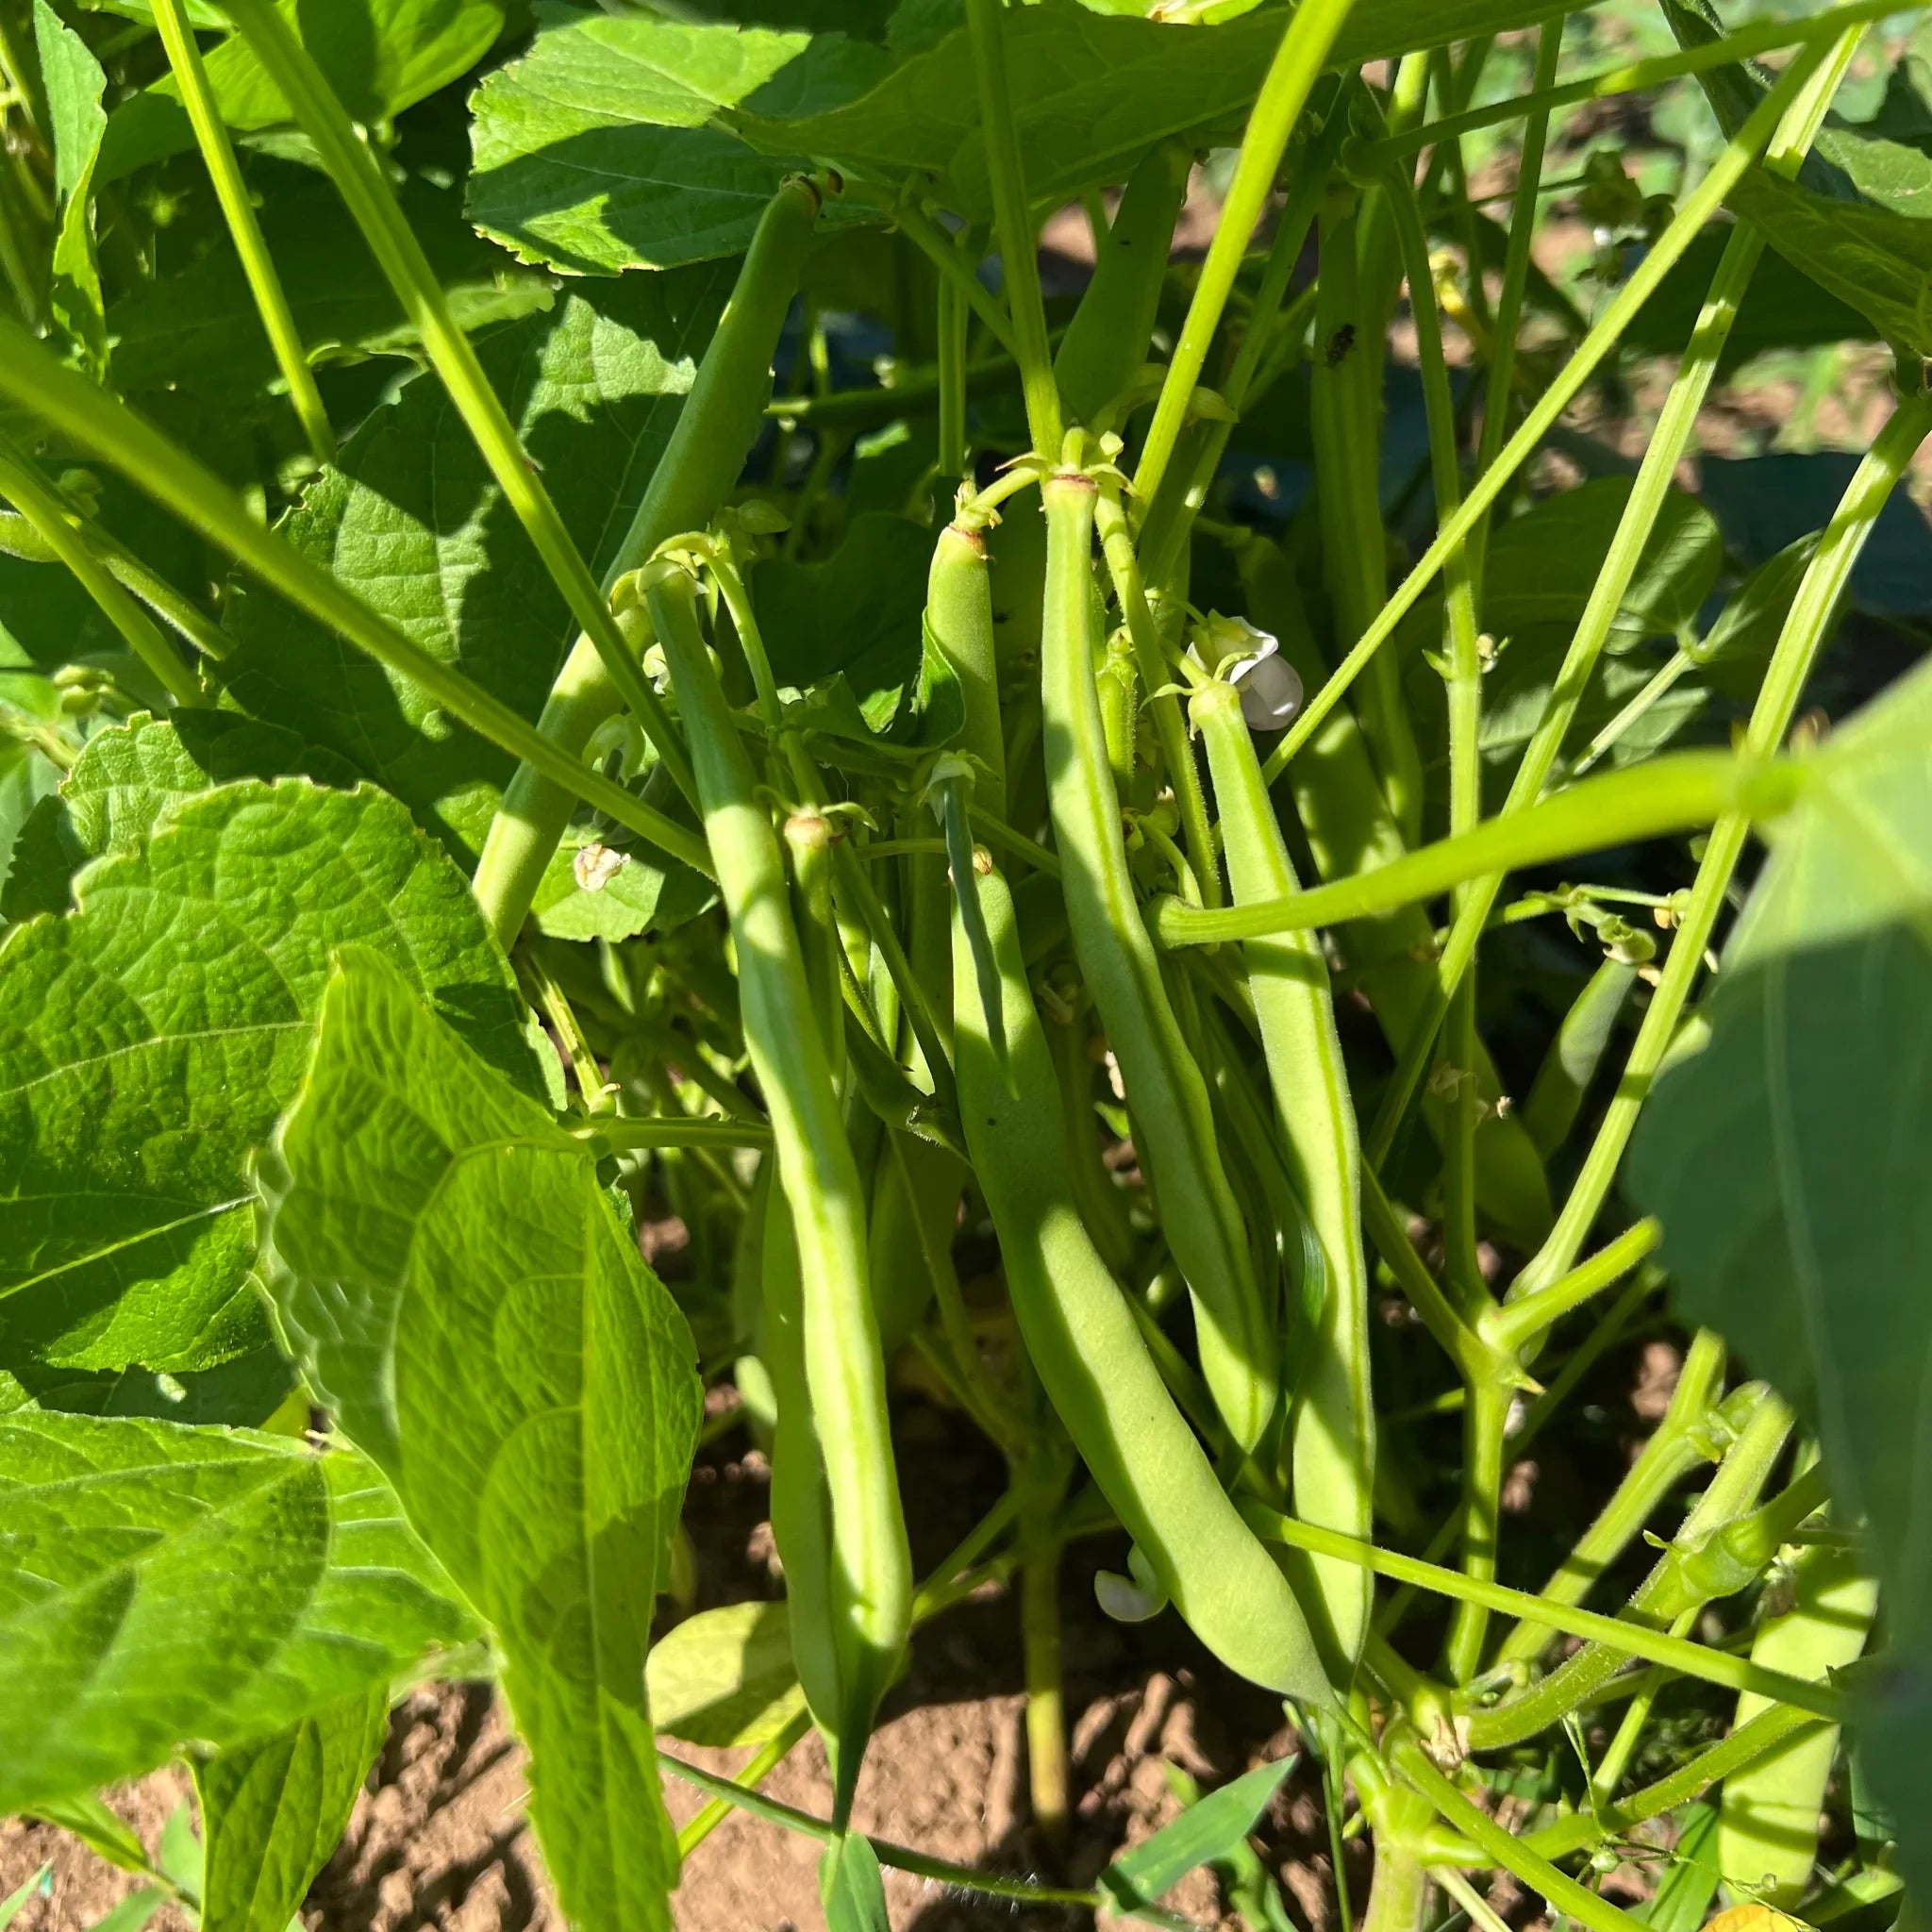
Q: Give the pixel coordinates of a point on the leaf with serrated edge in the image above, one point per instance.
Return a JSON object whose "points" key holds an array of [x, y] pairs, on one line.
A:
{"points": [[413, 524], [128, 1546], [461, 1292], [274, 1810], [1788, 1159], [149, 1040]]}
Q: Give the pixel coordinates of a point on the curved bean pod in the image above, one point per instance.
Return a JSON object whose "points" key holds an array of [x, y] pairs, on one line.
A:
{"points": [[1174, 1119], [1333, 1426], [1091, 1360], [845, 1372]]}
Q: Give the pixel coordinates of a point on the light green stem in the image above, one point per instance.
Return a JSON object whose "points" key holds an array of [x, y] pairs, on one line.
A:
{"points": [[1791, 659], [1696, 209], [1670, 794], [1298, 62], [1013, 214], [238, 210]]}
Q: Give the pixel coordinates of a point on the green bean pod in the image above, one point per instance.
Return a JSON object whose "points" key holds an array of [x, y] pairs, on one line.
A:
{"points": [[1173, 1117], [1110, 333], [960, 619], [1350, 829], [1767, 1833], [1333, 1425], [845, 1372], [716, 427], [1095, 1368]]}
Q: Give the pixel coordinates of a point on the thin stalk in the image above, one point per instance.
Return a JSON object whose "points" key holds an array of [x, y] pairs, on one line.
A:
{"points": [[1407, 1757], [1298, 63], [900, 1858], [1615, 1761], [1013, 216], [644, 1133], [178, 611], [1796, 651], [1670, 794], [1497, 397], [1693, 212], [953, 380], [1040, 1633], [1635, 76], [1518, 1327], [1811, 88], [32, 377], [23, 485], [1659, 687], [1485, 1461], [358, 178], [1144, 633], [954, 271], [1698, 1660], [1475, 1360], [767, 1758], [238, 210], [1601, 1339]]}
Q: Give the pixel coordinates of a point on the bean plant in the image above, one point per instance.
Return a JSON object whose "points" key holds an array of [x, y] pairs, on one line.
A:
{"points": [[1191, 860]]}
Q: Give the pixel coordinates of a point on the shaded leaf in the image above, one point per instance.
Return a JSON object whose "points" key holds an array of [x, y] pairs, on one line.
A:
{"points": [[725, 1677], [1786, 1162], [272, 1811], [463, 1297], [859, 613], [199, 329], [242, 1393], [413, 523], [149, 1040], [379, 55], [287, 1575]]}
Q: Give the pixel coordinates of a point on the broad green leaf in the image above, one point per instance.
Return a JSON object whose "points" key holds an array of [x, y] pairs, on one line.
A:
{"points": [[1541, 567], [725, 1677], [160, 1585], [851, 1886], [199, 329], [128, 776], [1202, 1834], [637, 142], [478, 1319], [26, 777], [149, 1040], [105, 1833], [596, 891], [414, 524], [379, 55], [1787, 1161], [75, 85], [272, 1811], [859, 612]]}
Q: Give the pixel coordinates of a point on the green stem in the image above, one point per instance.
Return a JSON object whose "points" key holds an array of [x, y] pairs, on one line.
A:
{"points": [[1513, 1854], [32, 377], [1695, 210], [769, 1757], [1144, 633], [1475, 1360], [1518, 1327], [1485, 1430], [1630, 1639], [49, 519], [1039, 1631], [1670, 794], [1635, 76], [1298, 62], [1659, 687], [1013, 215], [1811, 91], [1796, 651], [359, 180], [623, 1133], [174, 608], [218, 153], [955, 270]]}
